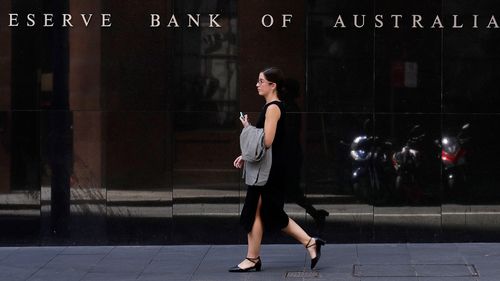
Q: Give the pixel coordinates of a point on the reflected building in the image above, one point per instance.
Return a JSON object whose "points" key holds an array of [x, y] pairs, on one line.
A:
{"points": [[126, 134]]}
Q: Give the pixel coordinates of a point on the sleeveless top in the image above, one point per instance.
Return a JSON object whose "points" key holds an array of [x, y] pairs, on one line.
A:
{"points": [[278, 167]]}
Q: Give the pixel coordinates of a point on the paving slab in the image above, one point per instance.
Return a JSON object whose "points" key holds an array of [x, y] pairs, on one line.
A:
{"points": [[340, 262]]}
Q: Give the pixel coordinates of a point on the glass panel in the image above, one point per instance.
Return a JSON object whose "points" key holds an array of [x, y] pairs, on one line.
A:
{"points": [[206, 186], [5, 59], [470, 176], [20, 171], [470, 59], [73, 197], [137, 163], [134, 58], [469, 171], [205, 140], [414, 156], [205, 77], [339, 60], [212, 91], [407, 60], [329, 180], [135, 92]]}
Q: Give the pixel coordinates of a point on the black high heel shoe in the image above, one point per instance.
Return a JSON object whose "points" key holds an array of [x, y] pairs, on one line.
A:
{"points": [[257, 265], [318, 242]]}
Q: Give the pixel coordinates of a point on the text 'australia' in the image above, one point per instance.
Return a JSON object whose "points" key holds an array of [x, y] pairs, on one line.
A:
{"points": [[415, 21]]}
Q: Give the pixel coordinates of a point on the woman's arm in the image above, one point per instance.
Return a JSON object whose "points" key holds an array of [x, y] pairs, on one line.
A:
{"points": [[273, 114]]}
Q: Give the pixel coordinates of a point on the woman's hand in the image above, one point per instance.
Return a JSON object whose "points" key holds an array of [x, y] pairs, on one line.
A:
{"points": [[238, 162], [244, 121]]}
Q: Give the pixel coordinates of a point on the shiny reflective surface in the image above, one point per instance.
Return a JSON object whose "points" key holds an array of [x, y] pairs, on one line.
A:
{"points": [[465, 54], [127, 136]]}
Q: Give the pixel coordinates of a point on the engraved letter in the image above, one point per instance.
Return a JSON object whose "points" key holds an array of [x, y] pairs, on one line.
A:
{"points": [[212, 20], [339, 21], [106, 20], [271, 20], [356, 21], [85, 20], [437, 20], [287, 18], [67, 20], [378, 21], [416, 20], [13, 20], [396, 20], [493, 21], [31, 20], [196, 20], [455, 22], [173, 21]]}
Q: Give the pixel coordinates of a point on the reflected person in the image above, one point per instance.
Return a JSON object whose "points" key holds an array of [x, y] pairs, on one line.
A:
{"points": [[263, 207], [295, 157]]}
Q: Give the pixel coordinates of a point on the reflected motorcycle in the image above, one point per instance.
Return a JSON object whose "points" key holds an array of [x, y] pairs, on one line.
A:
{"points": [[370, 165], [407, 164], [454, 157]]}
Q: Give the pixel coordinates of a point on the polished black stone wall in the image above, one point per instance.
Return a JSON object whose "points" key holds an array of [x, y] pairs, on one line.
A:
{"points": [[126, 135]]}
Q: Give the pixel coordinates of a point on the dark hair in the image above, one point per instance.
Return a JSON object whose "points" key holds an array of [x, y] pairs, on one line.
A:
{"points": [[275, 75]]}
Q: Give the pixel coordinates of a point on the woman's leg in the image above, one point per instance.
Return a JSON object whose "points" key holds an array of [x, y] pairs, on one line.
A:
{"points": [[254, 238], [294, 230]]}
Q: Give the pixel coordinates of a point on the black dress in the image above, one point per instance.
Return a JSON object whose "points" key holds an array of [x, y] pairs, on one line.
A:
{"points": [[273, 216]]}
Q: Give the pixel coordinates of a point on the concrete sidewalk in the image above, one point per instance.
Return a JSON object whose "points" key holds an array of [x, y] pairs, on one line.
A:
{"points": [[388, 262]]}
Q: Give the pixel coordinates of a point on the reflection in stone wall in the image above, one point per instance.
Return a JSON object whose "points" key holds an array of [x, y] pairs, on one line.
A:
{"points": [[155, 127]]}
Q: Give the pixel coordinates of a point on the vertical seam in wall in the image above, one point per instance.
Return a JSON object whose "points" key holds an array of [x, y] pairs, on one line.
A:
{"points": [[305, 97], [373, 104], [441, 103]]}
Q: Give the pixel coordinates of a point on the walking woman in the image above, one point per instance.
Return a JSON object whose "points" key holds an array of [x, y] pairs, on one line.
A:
{"points": [[263, 208]]}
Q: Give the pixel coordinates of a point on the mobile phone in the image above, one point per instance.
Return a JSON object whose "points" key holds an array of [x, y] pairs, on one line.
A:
{"points": [[241, 115]]}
